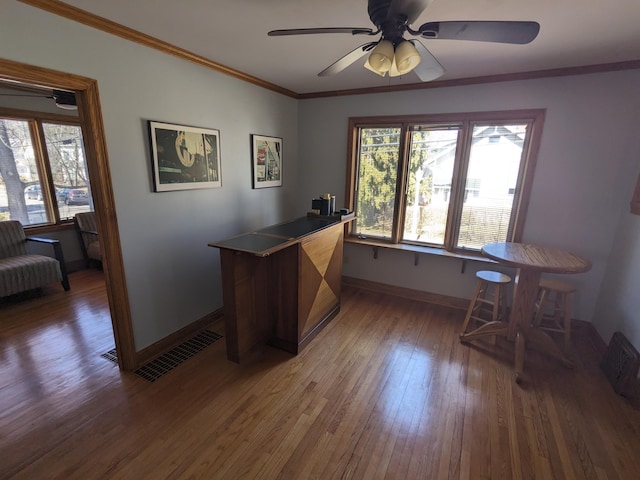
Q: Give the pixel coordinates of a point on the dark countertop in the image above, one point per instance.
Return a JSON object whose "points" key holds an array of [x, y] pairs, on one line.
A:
{"points": [[268, 240]]}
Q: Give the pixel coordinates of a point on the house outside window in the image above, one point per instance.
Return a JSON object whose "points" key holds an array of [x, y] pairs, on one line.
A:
{"points": [[455, 182], [43, 172]]}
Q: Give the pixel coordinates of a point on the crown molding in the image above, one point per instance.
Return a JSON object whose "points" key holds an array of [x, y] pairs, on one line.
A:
{"points": [[100, 23], [507, 77]]}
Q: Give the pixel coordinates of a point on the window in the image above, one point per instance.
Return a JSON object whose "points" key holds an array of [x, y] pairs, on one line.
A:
{"points": [[43, 172], [448, 181]]}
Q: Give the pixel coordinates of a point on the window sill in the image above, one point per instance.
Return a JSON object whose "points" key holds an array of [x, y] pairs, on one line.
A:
{"points": [[417, 250], [39, 229]]}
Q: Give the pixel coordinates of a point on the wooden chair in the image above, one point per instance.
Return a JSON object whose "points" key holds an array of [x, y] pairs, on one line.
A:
{"points": [[483, 309], [89, 238], [21, 271], [553, 309]]}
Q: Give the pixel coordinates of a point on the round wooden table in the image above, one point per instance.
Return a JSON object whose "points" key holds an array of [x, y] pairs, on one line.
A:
{"points": [[530, 261]]}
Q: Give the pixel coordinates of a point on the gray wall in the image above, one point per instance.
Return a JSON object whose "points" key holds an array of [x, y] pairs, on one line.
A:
{"points": [[583, 183], [618, 307], [172, 276]]}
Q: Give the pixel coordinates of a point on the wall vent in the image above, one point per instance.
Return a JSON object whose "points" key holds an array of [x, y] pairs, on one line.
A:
{"points": [[620, 364]]}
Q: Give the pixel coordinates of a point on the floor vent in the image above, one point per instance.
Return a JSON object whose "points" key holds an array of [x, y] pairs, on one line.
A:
{"points": [[111, 355], [621, 363], [166, 362]]}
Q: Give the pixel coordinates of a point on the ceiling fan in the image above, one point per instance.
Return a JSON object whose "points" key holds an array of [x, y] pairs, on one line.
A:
{"points": [[63, 99], [394, 54]]}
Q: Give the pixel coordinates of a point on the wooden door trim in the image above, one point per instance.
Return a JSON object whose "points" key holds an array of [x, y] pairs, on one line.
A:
{"points": [[90, 115]]}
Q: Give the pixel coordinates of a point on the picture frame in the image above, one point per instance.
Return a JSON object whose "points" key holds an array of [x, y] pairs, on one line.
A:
{"points": [[183, 157], [266, 161]]}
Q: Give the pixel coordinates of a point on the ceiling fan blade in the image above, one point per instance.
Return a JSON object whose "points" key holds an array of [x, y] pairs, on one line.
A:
{"points": [[411, 9], [429, 68], [308, 31], [347, 60], [501, 32]]}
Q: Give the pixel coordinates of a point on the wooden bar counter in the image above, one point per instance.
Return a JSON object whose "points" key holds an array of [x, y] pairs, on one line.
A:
{"points": [[281, 284]]}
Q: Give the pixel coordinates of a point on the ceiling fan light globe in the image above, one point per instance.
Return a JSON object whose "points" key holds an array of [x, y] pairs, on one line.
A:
{"points": [[368, 66], [381, 57], [393, 71], [406, 57]]}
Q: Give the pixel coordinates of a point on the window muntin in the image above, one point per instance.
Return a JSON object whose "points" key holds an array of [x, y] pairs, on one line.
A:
{"points": [[43, 174], [461, 180]]}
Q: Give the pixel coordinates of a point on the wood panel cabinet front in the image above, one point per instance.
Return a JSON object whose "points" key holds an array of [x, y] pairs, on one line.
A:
{"points": [[320, 267]]}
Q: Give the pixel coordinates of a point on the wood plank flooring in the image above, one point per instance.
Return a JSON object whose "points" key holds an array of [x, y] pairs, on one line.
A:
{"points": [[386, 390]]}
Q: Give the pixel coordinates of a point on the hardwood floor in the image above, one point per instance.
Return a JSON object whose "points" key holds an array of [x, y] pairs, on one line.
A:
{"points": [[386, 390]]}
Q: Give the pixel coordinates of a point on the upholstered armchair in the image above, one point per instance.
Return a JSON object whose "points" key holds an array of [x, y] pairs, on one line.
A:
{"points": [[89, 238], [21, 271]]}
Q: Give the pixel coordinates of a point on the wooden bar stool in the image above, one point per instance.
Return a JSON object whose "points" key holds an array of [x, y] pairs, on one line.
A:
{"points": [[483, 309], [553, 309]]}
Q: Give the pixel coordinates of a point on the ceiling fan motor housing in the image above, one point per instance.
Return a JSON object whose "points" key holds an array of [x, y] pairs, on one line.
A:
{"points": [[392, 26], [378, 10]]}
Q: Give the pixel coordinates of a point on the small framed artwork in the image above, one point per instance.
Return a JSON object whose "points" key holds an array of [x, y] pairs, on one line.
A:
{"points": [[266, 161], [184, 158]]}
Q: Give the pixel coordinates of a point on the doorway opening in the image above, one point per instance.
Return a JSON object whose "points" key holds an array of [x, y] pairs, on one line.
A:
{"points": [[85, 91]]}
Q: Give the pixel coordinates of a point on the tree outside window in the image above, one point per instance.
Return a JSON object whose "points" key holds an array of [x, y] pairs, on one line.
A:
{"points": [[43, 173]]}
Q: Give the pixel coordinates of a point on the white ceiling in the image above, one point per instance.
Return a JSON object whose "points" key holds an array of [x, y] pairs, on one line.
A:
{"points": [[234, 33]]}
